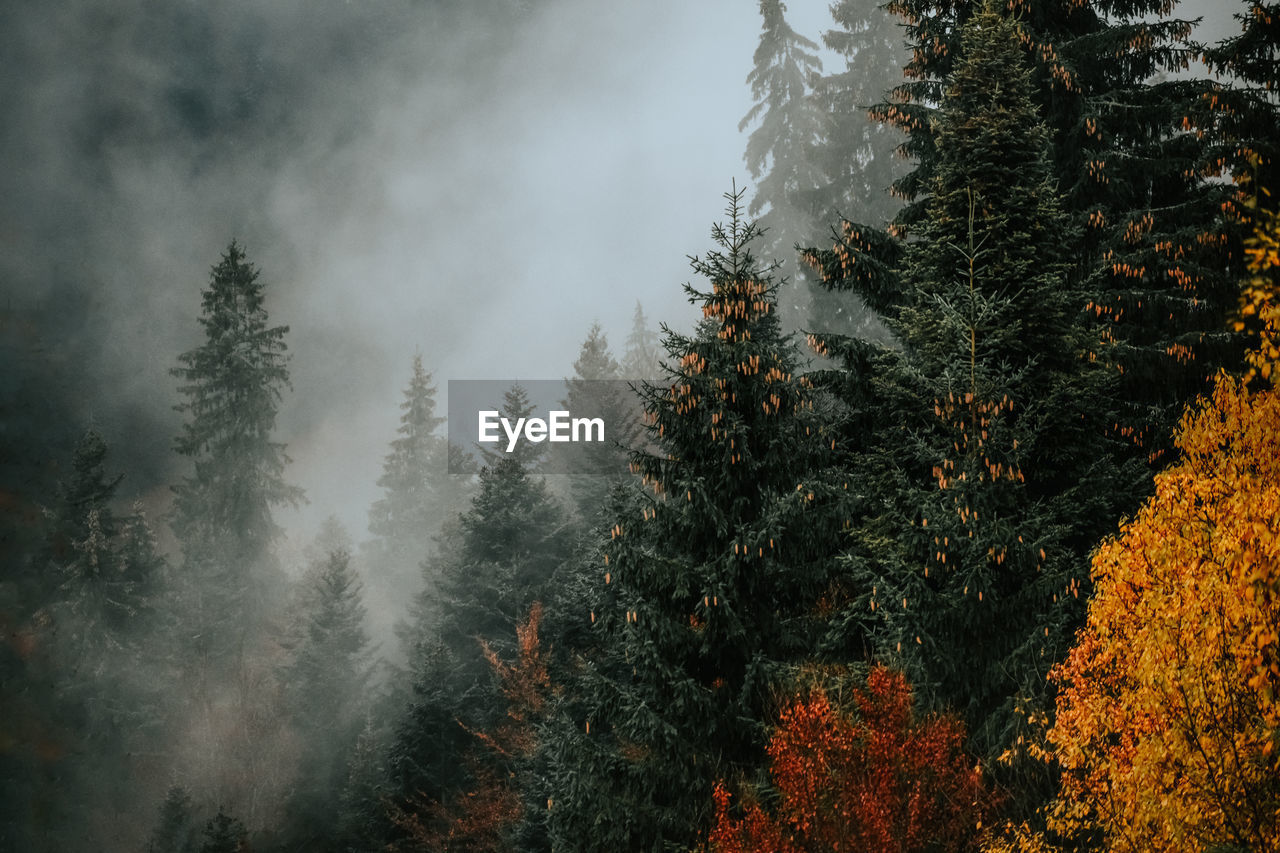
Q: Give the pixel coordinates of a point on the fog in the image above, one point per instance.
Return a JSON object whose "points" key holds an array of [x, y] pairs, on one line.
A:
{"points": [[479, 195]]}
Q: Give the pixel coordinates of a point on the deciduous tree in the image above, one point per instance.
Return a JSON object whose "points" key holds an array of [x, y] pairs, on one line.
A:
{"points": [[874, 776]]}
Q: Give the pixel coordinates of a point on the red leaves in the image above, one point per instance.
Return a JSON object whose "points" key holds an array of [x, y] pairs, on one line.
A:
{"points": [[884, 780]]}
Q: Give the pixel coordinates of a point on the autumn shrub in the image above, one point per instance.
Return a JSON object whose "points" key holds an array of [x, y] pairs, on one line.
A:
{"points": [[881, 778]]}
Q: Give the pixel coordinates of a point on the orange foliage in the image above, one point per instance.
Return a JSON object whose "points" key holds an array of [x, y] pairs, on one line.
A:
{"points": [[482, 819], [1169, 715], [884, 780]]}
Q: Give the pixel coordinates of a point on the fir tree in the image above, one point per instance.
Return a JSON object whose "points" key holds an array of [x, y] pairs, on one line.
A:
{"points": [[223, 834], [1135, 184], [782, 150], [595, 391], [707, 586], [88, 490], [640, 359], [233, 384], [990, 477], [175, 831], [325, 680], [493, 564], [1242, 114], [419, 493], [143, 570], [856, 153]]}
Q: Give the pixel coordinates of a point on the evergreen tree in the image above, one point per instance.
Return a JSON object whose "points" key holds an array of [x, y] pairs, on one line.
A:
{"points": [[640, 359], [325, 680], [175, 831], [989, 477], [1243, 114], [233, 384], [783, 147], [87, 491], [143, 571], [493, 564], [856, 156], [595, 390], [708, 585], [419, 494], [223, 834], [1135, 184], [516, 406]]}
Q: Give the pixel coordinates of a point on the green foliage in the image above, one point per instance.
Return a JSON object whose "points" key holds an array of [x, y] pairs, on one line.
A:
{"points": [[814, 150], [493, 564], [782, 149], [325, 681], [232, 385], [705, 593], [1146, 215], [988, 476], [418, 495]]}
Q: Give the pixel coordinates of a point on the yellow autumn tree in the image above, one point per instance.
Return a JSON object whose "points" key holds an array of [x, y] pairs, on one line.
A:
{"points": [[1169, 706]]}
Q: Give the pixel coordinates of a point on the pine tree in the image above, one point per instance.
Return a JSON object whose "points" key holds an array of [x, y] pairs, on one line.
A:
{"points": [[856, 155], [640, 359], [175, 831], [1242, 114], [782, 150], [708, 583], [595, 390], [86, 491], [990, 476], [419, 493], [325, 680], [143, 571], [233, 384], [493, 564], [223, 834], [1136, 185]]}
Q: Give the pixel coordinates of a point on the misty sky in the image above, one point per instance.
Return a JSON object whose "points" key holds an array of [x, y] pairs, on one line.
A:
{"points": [[479, 206]]}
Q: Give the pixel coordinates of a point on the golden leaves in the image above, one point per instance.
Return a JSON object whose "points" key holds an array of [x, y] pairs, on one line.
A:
{"points": [[1169, 703]]}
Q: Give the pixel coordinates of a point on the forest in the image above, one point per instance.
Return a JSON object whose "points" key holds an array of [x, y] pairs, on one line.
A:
{"points": [[949, 520]]}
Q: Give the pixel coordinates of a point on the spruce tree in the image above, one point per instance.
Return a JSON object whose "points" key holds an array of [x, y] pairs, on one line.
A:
{"points": [[1136, 186], [223, 834], [782, 150], [595, 390], [990, 475], [325, 681], [87, 490], [232, 385], [640, 358], [493, 563], [706, 590], [418, 495], [175, 831], [857, 155], [1242, 113]]}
